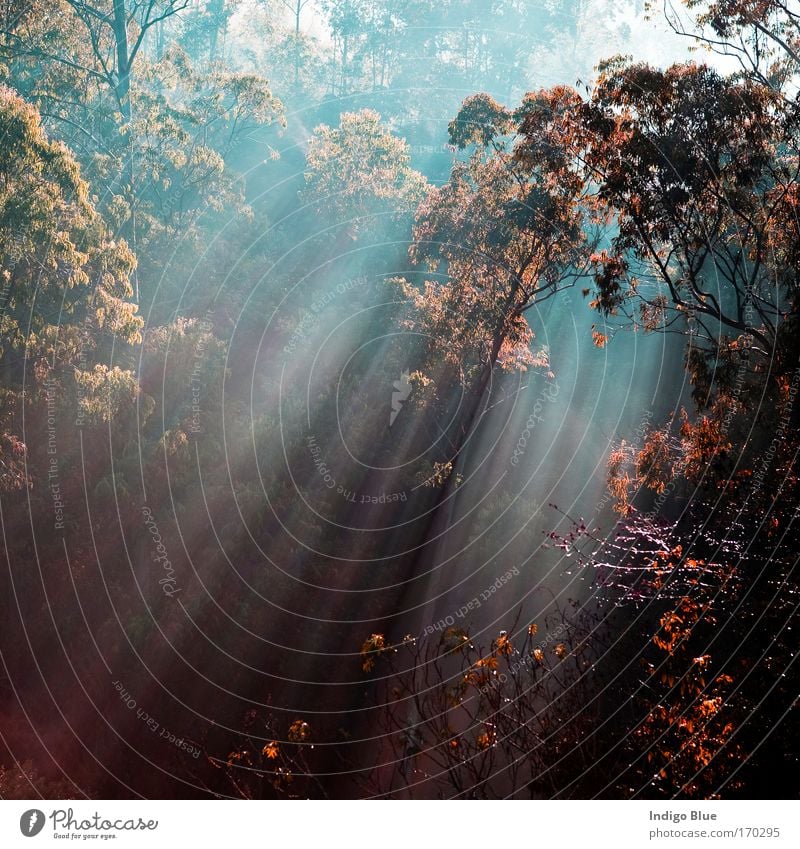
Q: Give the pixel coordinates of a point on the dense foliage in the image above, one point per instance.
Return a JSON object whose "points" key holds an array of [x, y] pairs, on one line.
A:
{"points": [[273, 277]]}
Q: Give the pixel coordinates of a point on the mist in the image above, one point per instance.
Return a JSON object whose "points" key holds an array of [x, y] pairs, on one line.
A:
{"points": [[328, 394]]}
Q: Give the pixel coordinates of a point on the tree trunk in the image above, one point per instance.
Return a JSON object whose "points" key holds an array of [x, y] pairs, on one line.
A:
{"points": [[298, 9], [123, 81], [122, 92], [477, 393], [217, 12]]}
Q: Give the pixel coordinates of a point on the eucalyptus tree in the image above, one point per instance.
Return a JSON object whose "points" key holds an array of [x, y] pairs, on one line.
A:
{"points": [[506, 232], [65, 283]]}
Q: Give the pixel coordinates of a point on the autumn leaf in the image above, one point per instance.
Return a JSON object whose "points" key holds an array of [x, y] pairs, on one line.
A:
{"points": [[487, 739], [503, 645], [299, 731], [372, 647]]}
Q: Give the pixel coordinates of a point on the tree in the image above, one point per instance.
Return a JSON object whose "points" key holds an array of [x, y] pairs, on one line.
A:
{"points": [[698, 172], [424, 49], [295, 8], [507, 232], [203, 28], [763, 37], [465, 720], [709, 602], [115, 33], [164, 168], [65, 283], [266, 761], [187, 126], [359, 173], [60, 269], [275, 44]]}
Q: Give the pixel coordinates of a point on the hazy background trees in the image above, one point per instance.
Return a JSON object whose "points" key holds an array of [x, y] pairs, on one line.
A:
{"points": [[272, 268]]}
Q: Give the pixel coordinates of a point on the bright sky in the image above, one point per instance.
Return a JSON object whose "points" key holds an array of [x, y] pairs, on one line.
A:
{"points": [[606, 28]]}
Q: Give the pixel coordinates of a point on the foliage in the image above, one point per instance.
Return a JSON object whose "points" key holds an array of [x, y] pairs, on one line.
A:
{"points": [[505, 232], [464, 720], [763, 36], [359, 173], [695, 170], [689, 596], [141, 165], [56, 253], [260, 767]]}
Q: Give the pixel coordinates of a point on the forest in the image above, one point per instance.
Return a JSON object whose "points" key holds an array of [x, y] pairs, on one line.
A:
{"points": [[399, 399]]}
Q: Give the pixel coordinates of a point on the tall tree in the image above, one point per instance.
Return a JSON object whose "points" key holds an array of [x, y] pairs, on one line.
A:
{"points": [[115, 33], [360, 173], [295, 8], [65, 282], [700, 173], [507, 231]]}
